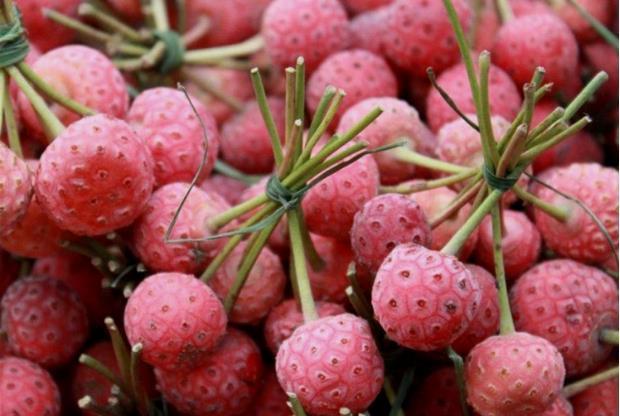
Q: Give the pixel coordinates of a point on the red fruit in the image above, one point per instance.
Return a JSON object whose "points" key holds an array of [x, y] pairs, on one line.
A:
{"points": [[230, 21], [486, 321], [526, 42], [424, 299], [579, 237], [128, 9], [560, 407], [514, 374], [360, 73], [83, 74], [432, 203], [78, 273], [555, 300], [520, 244], [599, 400], [602, 57], [234, 83], [15, 188], [359, 6], [437, 396], [418, 35], [177, 318], [44, 320], [384, 222], [287, 317], [329, 282], [399, 121], [43, 32], [149, 230], [95, 177], [9, 271], [487, 25], [228, 188], [367, 30], [34, 235], [27, 389], [164, 118], [262, 290], [4, 347], [225, 384], [309, 28], [271, 399], [329, 207], [601, 10], [527, 7], [504, 97], [245, 142], [331, 363]]}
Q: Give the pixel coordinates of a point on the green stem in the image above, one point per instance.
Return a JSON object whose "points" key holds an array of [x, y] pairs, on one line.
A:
{"points": [[202, 56], [505, 11], [206, 85], [138, 391], [148, 60], [585, 95], [558, 213], [600, 28], [446, 97], [584, 384], [319, 114], [506, 325], [537, 149], [407, 155], [315, 260], [296, 407], [111, 23], [261, 99], [160, 15], [120, 351], [308, 307], [12, 130], [458, 202], [296, 137], [609, 336], [225, 169], [554, 116], [409, 188], [100, 368], [489, 145], [513, 150], [300, 88], [289, 104], [403, 388], [459, 372]]}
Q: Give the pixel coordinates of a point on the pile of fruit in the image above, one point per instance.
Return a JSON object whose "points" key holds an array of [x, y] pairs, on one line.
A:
{"points": [[309, 207]]}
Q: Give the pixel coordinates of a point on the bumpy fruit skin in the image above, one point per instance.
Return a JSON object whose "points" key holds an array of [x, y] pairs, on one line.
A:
{"points": [[486, 322], [418, 35], [527, 42], [149, 230], [504, 97], [27, 389], [177, 318], [329, 283], [245, 141], [513, 374], [359, 6], [287, 316], [15, 188], [228, 188], [83, 74], [579, 237], [384, 222], [556, 300], [367, 30], [424, 299], [271, 400], [45, 320], [433, 202], [399, 121], [42, 31], [520, 244], [225, 385], [331, 363], [95, 177], [313, 29], [164, 118], [560, 407], [360, 73], [263, 288], [329, 207], [9, 271], [598, 400], [437, 396]]}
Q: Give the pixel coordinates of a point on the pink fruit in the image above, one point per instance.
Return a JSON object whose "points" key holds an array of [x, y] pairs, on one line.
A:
{"points": [[360, 73], [95, 177], [44, 320], [177, 319], [560, 300], [437, 396], [527, 42], [398, 122], [149, 230], [504, 97], [560, 407], [27, 389], [579, 237], [487, 25], [418, 34], [225, 385], [329, 282], [359, 6], [309, 28], [329, 207], [367, 30], [164, 118], [287, 317], [15, 188], [513, 374], [384, 222], [601, 58], [245, 142], [83, 74], [228, 188], [520, 244], [42, 31], [262, 290], [424, 299], [601, 10], [331, 363], [486, 321], [435, 201], [128, 9], [599, 400], [271, 399]]}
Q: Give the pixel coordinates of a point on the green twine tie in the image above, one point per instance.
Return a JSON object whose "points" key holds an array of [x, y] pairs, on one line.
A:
{"points": [[502, 184], [175, 50], [13, 43]]}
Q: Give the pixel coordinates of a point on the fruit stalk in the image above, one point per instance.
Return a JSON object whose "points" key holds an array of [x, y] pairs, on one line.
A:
{"points": [[581, 385]]}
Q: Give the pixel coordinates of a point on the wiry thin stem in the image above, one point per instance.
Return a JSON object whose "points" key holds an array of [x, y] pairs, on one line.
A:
{"points": [[301, 273], [506, 324], [584, 384]]}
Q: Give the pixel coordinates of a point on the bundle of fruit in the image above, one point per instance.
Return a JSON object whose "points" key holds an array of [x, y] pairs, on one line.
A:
{"points": [[308, 207]]}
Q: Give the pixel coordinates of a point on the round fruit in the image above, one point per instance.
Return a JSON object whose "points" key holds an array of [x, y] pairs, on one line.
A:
{"points": [[15, 188]]}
